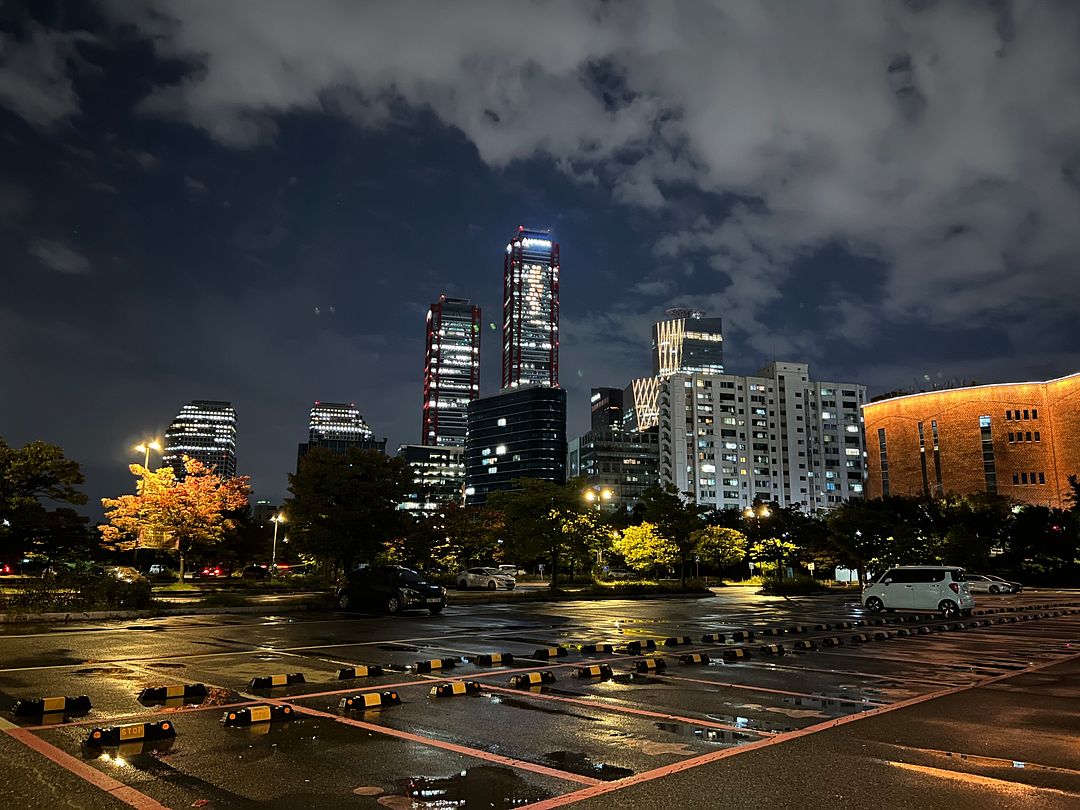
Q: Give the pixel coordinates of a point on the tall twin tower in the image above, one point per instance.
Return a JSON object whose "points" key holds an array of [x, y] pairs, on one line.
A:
{"points": [[530, 344]]}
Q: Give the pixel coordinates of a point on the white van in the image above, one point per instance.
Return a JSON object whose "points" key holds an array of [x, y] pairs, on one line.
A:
{"points": [[920, 587]]}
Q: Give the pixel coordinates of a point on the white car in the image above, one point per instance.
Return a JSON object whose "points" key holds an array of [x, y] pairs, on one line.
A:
{"points": [[981, 584], [938, 588], [490, 578]]}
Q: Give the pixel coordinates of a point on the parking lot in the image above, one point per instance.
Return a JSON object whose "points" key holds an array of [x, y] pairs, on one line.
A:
{"points": [[976, 709]]}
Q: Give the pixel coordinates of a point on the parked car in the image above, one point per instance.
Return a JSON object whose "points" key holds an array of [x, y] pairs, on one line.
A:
{"points": [[510, 570], [214, 572], [1013, 587], [619, 574], [920, 587], [391, 588], [256, 572], [490, 578], [979, 583], [124, 573], [6, 569]]}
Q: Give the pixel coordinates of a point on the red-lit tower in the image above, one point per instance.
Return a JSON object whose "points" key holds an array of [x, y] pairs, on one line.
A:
{"points": [[451, 370], [531, 310]]}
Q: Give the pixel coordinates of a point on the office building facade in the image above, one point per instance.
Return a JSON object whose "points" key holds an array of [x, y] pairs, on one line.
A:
{"points": [[606, 406], [687, 342], [778, 436], [338, 427], [203, 430], [451, 371], [626, 463], [530, 350], [520, 433], [438, 477], [1020, 440]]}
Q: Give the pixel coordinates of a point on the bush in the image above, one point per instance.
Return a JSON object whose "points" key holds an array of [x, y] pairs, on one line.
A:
{"points": [[643, 587], [79, 593], [800, 585]]}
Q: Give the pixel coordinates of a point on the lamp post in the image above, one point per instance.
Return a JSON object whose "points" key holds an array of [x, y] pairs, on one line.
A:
{"points": [[146, 447], [277, 519], [597, 496]]}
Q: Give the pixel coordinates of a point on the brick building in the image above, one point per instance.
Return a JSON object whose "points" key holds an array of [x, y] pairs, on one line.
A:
{"points": [[1021, 440]]}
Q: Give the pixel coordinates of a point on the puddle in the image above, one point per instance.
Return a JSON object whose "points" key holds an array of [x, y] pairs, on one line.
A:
{"points": [[518, 703], [398, 648], [482, 786], [716, 736], [635, 679], [164, 665], [112, 672], [152, 627], [576, 762]]}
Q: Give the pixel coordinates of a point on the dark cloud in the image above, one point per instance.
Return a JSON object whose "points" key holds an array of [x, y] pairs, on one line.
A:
{"points": [[59, 257]]}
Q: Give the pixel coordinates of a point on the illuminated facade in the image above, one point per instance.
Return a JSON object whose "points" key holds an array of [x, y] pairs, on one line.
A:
{"points": [[1021, 440], [203, 430], [438, 477], [626, 463], [687, 342], [451, 371], [338, 427], [606, 406], [530, 348], [778, 436], [520, 433], [641, 408]]}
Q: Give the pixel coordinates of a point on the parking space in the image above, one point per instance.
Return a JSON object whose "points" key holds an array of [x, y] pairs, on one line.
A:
{"points": [[507, 744]]}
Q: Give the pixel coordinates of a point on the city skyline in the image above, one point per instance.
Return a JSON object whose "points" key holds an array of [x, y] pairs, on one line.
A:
{"points": [[899, 214]]}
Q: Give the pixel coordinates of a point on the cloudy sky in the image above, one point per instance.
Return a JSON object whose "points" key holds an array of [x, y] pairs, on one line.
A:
{"points": [[256, 200]]}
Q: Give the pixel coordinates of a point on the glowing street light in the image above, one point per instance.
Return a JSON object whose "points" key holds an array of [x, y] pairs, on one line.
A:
{"points": [[146, 447], [277, 519]]}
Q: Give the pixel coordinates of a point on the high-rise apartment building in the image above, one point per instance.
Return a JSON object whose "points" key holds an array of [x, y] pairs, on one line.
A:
{"points": [[203, 430], [520, 433], [338, 427], [687, 342], [778, 436], [530, 348], [451, 370], [438, 477], [1021, 440]]}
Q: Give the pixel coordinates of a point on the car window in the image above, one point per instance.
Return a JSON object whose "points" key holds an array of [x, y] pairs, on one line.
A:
{"points": [[474, 571], [888, 575], [407, 575]]}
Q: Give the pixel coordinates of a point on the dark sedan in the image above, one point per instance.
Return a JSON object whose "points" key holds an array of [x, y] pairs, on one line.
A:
{"points": [[389, 588]]}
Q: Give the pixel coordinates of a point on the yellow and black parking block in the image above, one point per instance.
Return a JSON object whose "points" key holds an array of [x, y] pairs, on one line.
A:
{"points": [[877, 622], [694, 658], [594, 671], [544, 653], [859, 638], [436, 663], [842, 625], [369, 700], [678, 641], [453, 688], [712, 638], [772, 649], [34, 707], [527, 679], [805, 645], [258, 714], [494, 659], [799, 628], [737, 654], [274, 681], [183, 691], [638, 645], [831, 642], [881, 635], [359, 671], [596, 649], [136, 732], [649, 665], [742, 635], [924, 630], [820, 627], [773, 631], [904, 631]]}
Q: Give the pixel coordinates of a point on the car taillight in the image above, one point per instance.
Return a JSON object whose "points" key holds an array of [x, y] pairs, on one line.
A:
{"points": [[954, 587]]}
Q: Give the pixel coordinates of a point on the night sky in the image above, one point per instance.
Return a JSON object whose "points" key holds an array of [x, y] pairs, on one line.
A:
{"points": [[257, 200]]}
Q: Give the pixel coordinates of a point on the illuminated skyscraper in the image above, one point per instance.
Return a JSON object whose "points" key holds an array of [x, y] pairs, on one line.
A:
{"points": [[687, 343], [338, 427], [531, 310], [203, 430], [451, 370]]}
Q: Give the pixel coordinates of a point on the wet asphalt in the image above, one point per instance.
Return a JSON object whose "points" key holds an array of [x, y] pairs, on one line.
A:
{"points": [[820, 726]]}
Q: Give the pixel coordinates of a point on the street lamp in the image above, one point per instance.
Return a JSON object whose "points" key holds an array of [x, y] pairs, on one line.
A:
{"points": [[146, 447], [597, 496], [278, 518]]}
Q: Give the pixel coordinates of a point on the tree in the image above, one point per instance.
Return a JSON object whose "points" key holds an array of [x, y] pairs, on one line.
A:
{"points": [[471, 534], [675, 518], [345, 507], [724, 547], [166, 512], [585, 536], [535, 514], [644, 547], [28, 475], [775, 550]]}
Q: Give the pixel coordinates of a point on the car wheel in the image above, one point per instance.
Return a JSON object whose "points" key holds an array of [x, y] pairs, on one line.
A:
{"points": [[874, 605], [343, 601], [462, 585], [393, 605], [491, 585], [948, 608], [436, 610], [994, 589]]}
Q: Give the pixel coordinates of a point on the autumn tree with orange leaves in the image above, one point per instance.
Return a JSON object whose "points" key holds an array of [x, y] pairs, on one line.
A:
{"points": [[168, 513]]}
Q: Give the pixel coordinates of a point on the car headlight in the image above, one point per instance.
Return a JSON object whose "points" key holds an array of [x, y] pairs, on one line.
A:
{"points": [[409, 593]]}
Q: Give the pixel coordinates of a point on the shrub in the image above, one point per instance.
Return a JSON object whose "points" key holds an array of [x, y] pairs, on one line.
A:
{"points": [[81, 592], [800, 585]]}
